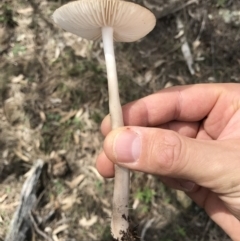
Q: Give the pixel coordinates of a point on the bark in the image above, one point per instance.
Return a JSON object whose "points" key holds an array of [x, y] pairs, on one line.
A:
{"points": [[21, 225]]}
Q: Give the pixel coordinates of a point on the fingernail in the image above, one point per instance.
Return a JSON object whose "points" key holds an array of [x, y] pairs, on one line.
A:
{"points": [[127, 147], [187, 185]]}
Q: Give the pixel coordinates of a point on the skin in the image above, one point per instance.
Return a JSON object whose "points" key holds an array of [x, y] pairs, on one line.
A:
{"points": [[190, 137]]}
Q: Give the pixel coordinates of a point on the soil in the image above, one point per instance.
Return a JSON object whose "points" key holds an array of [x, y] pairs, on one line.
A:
{"points": [[53, 96]]}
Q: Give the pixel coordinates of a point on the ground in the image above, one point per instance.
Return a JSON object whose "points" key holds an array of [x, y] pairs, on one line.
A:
{"points": [[54, 96]]}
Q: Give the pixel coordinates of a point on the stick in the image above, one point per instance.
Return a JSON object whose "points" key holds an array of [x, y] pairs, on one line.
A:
{"points": [[21, 223], [168, 9]]}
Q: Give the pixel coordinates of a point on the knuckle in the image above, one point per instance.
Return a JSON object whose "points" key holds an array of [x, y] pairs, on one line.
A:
{"points": [[169, 151]]}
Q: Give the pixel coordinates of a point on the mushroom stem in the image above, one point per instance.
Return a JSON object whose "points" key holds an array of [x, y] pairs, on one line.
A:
{"points": [[119, 223]]}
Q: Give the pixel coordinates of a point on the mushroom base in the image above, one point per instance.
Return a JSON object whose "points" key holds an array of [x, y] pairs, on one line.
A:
{"points": [[130, 234], [128, 237]]}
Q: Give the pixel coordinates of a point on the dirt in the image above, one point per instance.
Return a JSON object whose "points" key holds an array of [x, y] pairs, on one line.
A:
{"points": [[54, 96]]}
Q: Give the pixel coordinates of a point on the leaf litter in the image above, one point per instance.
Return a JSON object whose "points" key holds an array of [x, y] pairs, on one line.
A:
{"points": [[54, 95]]}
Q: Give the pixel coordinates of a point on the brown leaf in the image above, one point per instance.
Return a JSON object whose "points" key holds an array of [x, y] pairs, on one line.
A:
{"points": [[76, 181], [88, 223]]}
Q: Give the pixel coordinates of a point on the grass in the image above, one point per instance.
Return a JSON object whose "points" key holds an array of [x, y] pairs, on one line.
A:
{"points": [[58, 187], [97, 116], [18, 50], [145, 195], [181, 232], [6, 16], [63, 131], [221, 3]]}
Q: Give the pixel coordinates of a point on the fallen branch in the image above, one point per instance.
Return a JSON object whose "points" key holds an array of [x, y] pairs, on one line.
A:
{"points": [[21, 223]]}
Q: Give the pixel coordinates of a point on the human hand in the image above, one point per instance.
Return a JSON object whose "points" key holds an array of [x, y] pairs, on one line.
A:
{"points": [[190, 137]]}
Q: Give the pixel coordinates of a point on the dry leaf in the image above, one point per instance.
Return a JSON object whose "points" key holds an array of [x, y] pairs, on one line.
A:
{"points": [[94, 170], [60, 229], [17, 79], [88, 223], [107, 211], [159, 63], [196, 44], [68, 202], [3, 198], [76, 136], [68, 116], [21, 156], [25, 11], [79, 113], [168, 84], [42, 116], [135, 204], [76, 181], [9, 206], [148, 76]]}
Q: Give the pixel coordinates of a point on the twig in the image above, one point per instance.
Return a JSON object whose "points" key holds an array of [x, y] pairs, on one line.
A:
{"points": [[169, 9], [206, 229], [48, 217], [190, 2], [146, 227], [37, 230], [203, 25]]}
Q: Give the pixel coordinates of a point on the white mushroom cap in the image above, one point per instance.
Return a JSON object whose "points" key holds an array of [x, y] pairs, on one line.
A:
{"points": [[85, 18]]}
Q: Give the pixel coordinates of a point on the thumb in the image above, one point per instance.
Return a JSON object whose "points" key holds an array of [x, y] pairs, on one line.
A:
{"points": [[167, 153]]}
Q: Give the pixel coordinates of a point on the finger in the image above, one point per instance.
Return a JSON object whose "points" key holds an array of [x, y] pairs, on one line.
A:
{"points": [[202, 134], [182, 103], [189, 129], [166, 153], [180, 184], [217, 210], [104, 166]]}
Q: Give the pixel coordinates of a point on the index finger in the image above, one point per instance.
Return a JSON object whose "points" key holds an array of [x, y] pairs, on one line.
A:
{"points": [[182, 103]]}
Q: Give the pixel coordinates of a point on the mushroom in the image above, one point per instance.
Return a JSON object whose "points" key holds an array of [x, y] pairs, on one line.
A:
{"points": [[113, 20]]}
